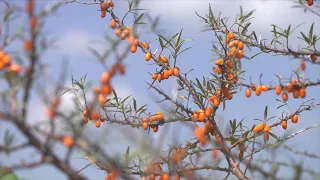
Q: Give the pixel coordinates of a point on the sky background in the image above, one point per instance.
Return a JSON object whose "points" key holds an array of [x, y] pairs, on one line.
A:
{"points": [[78, 25]]}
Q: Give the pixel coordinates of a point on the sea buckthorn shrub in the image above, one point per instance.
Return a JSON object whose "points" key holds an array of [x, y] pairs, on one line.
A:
{"points": [[209, 148]]}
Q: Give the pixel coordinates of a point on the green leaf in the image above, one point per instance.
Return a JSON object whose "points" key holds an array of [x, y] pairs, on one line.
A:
{"points": [[135, 105], [274, 136], [138, 18], [305, 38], [115, 96], [311, 31], [265, 113]]}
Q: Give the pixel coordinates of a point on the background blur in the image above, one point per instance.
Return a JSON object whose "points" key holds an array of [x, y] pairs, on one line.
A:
{"points": [[80, 26]]}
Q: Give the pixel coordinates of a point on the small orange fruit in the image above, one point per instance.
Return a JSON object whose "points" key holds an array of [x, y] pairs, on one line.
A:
{"points": [[266, 129], [285, 96], [145, 125], [176, 71], [208, 111], [155, 128], [67, 141], [313, 58], [248, 93], [294, 119], [258, 91], [98, 123], [148, 56], [302, 92], [113, 24], [258, 128], [284, 125], [163, 59], [241, 45], [133, 48], [278, 90]]}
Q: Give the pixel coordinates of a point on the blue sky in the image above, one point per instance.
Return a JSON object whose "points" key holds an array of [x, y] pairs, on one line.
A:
{"points": [[77, 25]]}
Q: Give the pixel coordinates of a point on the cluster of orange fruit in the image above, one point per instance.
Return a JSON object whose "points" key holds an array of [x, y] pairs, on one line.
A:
{"points": [[104, 6], [162, 177], [166, 74], [201, 114], [52, 109], [258, 128], [5, 62], [178, 155], [295, 87], [236, 47], [90, 114], [157, 117]]}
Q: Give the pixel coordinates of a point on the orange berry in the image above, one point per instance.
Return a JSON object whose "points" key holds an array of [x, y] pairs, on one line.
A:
{"points": [[201, 117], [266, 129], [163, 59], [33, 22], [105, 78], [118, 32], [289, 87], [155, 128], [133, 48], [302, 92], [303, 66], [30, 7], [152, 177], [51, 112], [219, 62], [248, 93], [110, 3], [176, 71], [229, 64], [105, 89], [176, 177], [145, 45], [240, 54], [103, 6], [67, 141], [95, 115], [278, 90], [285, 96], [166, 176], [208, 111], [218, 70], [113, 24], [258, 91], [215, 100], [14, 68], [241, 45], [28, 45], [313, 58], [310, 2], [155, 76], [284, 125], [6, 59], [230, 95], [103, 14], [295, 93], [102, 99], [294, 119], [145, 125], [230, 34], [136, 42], [294, 82], [148, 56], [258, 128], [264, 88], [143, 178], [170, 72], [98, 123], [195, 117]]}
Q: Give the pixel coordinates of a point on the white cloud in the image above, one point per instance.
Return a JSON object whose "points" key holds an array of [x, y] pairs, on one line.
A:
{"points": [[76, 43]]}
